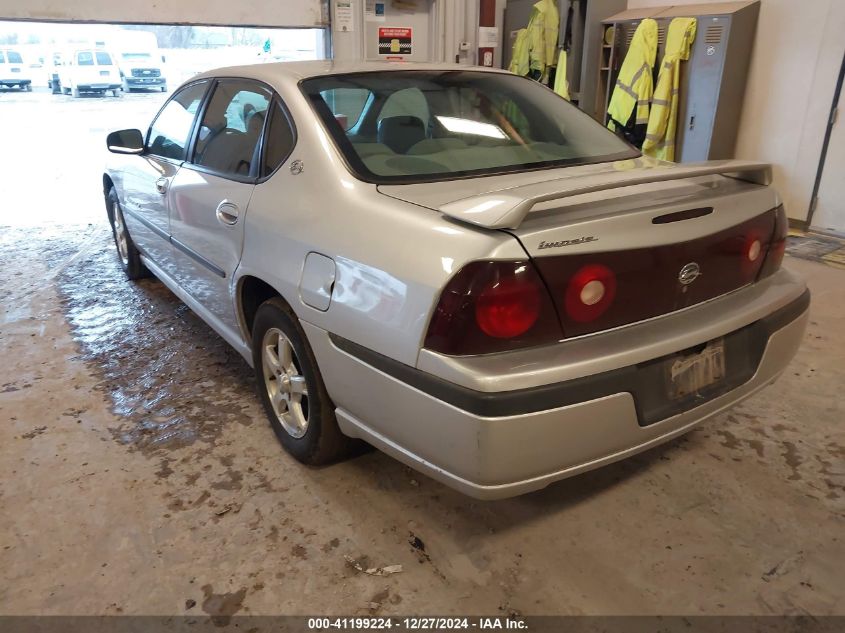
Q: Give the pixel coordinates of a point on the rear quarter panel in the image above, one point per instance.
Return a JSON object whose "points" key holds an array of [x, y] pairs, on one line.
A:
{"points": [[392, 258]]}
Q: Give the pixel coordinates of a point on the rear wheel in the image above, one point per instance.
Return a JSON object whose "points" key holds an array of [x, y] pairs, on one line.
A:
{"points": [[127, 252], [28, 87], [291, 388], [75, 92], [116, 93]]}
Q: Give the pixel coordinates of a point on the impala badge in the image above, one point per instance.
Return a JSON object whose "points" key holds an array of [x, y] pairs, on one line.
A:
{"points": [[689, 273]]}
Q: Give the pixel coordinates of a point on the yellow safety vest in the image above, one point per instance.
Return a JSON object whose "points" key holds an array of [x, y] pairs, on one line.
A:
{"points": [[634, 84], [663, 121], [519, 56], [561, 84], [543, 27]]}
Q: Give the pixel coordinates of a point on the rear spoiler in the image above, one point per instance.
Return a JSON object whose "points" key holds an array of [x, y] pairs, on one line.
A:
{"points": [[507, 208]]}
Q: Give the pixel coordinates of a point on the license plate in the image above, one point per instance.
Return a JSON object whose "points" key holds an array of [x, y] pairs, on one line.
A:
{"points": [[104, 73], [690, 374], [16, 70]]}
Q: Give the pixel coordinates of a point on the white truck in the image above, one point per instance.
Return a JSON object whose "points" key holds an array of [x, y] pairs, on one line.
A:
{"points": [[140, 61]]}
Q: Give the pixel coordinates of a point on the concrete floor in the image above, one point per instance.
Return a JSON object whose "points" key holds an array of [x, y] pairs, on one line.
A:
{"points": [[138, 476]]}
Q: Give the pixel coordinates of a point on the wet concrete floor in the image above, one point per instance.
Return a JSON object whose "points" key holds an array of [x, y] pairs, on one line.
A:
{"points": [[138, 476]]}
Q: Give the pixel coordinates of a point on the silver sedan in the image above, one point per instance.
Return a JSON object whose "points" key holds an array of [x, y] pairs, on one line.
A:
{"points": [[456, 266]]}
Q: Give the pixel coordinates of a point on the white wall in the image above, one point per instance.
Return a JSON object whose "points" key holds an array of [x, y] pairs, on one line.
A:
{"points": [[294, 13], [794, 67]]}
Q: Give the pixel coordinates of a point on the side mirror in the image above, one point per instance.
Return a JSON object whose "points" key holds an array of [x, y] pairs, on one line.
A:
{"points": [[125, 142]]}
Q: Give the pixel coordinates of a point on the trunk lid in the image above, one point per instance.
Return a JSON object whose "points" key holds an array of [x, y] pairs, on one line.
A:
{"points": [[617, 244]]}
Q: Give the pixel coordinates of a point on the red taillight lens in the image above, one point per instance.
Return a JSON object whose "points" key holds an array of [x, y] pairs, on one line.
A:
{"points": [[590, 293], [508, 307], [777, 245], [492, 307]]}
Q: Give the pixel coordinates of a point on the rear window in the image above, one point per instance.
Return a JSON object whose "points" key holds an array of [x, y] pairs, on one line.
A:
{"points": [[422, 126], [14, 58], [2, 58], [103, 59], [85, 58]]}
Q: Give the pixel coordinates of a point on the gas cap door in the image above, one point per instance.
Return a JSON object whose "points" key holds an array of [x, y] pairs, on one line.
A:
{"points": [[315, 286]]}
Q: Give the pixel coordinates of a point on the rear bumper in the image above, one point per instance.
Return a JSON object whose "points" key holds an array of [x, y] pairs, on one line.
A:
{"points": [[16, 82], [498, 444], [97, 87]]}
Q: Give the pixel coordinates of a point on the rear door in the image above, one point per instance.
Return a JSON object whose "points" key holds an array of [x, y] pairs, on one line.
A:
{"points": [[211, 193], [147, 178]]}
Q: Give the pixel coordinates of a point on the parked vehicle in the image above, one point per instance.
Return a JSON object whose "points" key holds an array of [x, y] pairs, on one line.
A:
{"points": [[53, 68], [89, 70], [456, 265], [14, 73], [140, 61]]}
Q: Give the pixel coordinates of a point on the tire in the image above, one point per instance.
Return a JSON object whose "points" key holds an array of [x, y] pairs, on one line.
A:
{"points": [[164, 88], [28, 87], [117, 93], [303, 417], [125, 85], [66, 91], [75, 92], [127, 252]]}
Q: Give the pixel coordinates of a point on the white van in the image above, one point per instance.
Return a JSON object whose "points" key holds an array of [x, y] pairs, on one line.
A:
{"points": [[140, 61], [13, 72], [89, 70]]}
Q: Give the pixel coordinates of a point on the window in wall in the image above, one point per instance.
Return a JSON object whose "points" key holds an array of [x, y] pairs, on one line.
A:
{"points": [[231, 127]]}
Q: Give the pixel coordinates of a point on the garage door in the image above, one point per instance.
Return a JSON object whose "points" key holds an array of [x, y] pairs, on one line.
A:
{"points": [[302, 13]]}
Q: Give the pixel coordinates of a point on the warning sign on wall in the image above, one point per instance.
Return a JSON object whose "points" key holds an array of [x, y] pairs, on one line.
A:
{"points": [[394, 41]]}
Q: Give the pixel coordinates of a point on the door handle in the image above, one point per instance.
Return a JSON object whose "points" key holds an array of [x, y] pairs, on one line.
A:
{"points": [[228, 213], [161, 185]]}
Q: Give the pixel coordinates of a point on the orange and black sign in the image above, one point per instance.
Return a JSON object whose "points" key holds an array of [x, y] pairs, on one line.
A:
{"points": [[394, 41]]}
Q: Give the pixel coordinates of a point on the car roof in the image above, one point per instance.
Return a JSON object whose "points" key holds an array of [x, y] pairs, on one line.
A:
{"points": [[296, 71]]}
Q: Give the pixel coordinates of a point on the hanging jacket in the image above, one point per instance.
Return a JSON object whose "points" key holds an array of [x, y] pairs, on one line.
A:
{"points": [[561, 83], [663, 120], [519, 56], [634, 84], [543, 29]]}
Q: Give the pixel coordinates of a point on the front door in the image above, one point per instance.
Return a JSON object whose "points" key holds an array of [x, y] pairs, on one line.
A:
{"points": [[211, 193], [147, 178]]}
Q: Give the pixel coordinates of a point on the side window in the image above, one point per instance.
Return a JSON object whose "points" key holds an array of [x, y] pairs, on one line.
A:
{"points": [[278, 144], [231, 127], [85, 58], [346, 104], [169, 132]]}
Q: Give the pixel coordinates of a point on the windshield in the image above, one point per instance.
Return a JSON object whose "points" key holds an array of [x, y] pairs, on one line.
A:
{"points": [[418, 126]]}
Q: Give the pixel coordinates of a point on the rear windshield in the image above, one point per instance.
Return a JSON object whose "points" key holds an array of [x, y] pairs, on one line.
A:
{"points": [[14, 58], [419, 126]]}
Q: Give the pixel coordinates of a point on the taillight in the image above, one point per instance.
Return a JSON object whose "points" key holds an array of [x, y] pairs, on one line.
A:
{"points": [[590, 293], [492, 307], [777, 245]]}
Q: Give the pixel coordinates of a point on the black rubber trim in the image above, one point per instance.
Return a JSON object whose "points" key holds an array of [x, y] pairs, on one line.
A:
{"points": [[161, 233], [182, 247], [749, 342], [198, 258], [678, 216]]}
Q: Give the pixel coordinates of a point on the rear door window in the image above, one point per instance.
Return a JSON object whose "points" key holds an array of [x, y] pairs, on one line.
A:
{"points": [[279, 141], [103, 59], [169, 132], [227, 142], [85, 58], [2, 58], [14, 57]]}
